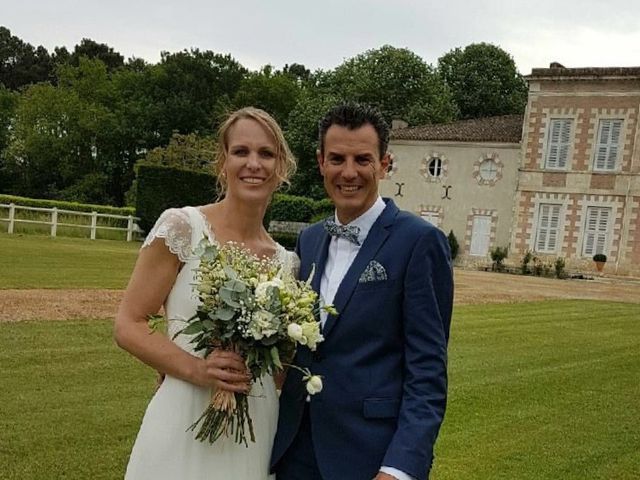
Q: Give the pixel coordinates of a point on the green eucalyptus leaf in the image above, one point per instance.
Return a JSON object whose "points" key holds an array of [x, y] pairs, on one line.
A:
{"points": [[192, 328], [227, 297], [275, 357]]}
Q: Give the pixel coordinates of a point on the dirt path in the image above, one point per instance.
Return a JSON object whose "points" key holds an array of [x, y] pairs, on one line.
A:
{"points": [[471, 288]]}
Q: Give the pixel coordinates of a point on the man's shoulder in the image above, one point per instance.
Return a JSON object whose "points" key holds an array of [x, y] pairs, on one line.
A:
{"points": [[313, 229], [411, 224]]}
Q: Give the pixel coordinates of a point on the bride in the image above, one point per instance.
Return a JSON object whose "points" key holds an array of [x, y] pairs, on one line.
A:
{"points": [[253, 160]]}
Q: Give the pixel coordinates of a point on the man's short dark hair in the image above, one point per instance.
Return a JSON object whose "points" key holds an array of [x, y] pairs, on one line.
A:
{"points": [[354, 115]]}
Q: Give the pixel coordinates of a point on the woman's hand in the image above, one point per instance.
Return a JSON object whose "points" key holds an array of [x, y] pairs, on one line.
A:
{"points": [[223, 370]]}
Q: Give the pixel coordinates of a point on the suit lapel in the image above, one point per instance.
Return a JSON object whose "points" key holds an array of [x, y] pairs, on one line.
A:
{"points": [[375, 239], [320, 259]]}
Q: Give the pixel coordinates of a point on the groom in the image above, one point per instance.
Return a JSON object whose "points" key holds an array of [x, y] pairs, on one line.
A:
{"points": [[384, 357]]}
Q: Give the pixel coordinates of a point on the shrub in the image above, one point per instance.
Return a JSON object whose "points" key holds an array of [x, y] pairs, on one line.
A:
{"points": [[453, 244], [79, 207], [524, 265], [322, 209], [599, 257], [287, 240], [498, 255], [290, 208], [160, 187], [559, 268], [537, 266]]}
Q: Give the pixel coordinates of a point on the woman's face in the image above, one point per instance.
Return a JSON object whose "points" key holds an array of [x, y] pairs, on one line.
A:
{"points": [[250, 164]]}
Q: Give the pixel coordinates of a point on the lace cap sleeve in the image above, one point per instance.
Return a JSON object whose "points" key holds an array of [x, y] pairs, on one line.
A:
{"points": [[291, 262], [175, 228]]}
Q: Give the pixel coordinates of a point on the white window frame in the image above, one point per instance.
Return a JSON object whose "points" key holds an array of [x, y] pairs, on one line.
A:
{"points": [[607, 145], [487, 234], [597, 230], [549, 234], [494, 172], [559, 147]]}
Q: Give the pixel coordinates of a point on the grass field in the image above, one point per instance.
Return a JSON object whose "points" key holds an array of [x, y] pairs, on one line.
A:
{"points": [[34, 261], [544, 390]]}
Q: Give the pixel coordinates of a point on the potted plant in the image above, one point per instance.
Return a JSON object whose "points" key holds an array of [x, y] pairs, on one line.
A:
{"points": [[600, 259]]}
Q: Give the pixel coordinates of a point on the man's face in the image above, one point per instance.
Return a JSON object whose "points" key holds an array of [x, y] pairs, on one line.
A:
{"points": [[352, 167]]}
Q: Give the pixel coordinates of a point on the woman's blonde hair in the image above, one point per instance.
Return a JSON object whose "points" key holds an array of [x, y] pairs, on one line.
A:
{"points": [[285, 162]]}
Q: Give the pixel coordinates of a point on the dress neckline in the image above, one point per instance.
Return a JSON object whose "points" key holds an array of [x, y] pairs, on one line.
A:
{"points": [[279, 254]]}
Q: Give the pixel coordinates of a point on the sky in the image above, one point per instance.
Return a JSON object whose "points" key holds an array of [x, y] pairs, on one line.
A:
{"points": [[321, 34]]}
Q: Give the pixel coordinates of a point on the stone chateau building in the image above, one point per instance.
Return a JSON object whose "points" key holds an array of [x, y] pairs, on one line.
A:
{"points": [[561, 181]]}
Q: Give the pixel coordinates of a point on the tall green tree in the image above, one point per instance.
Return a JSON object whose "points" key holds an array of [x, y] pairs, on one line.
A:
{"points": [[65, 141], [275, 92], [484, 81], [21, 63], [189, 91], [94, 50], [8, 102], [400, 83], [302, 137]]}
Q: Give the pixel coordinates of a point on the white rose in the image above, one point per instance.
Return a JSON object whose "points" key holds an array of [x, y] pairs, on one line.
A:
{"points": [[311, 334], [295, 332], [314, 384]]}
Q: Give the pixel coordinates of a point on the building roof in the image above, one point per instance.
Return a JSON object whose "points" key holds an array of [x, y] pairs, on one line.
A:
{"points": [[505, 128], [557, 71]]}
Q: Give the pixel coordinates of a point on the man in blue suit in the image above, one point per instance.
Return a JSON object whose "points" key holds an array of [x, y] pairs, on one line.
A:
{"points": [[384, 358]]}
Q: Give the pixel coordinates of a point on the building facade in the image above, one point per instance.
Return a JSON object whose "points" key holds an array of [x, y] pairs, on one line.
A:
{"points": [[461, 177], [578, 189], [561, 182]]}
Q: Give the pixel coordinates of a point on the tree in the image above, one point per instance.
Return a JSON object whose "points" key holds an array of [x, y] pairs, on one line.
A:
{"points": [[100, 51], [20, 63], [8, 102], [188, 152], [297, 71], [484, 81], [398, 82], [302, 137], [65, 141], [190, 91], [274, 92]]}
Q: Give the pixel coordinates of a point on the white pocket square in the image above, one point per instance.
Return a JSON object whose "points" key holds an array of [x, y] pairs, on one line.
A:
{"points": [[373, 273]]}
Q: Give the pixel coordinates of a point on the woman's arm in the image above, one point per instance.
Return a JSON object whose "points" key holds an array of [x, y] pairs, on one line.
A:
{"points": [[151, 281]]}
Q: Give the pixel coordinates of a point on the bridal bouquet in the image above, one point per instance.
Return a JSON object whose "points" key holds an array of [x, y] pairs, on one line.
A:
{"points": [[253, 307]]}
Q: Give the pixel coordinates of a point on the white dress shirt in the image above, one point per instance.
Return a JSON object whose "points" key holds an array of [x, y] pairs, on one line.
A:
{"points": [[341, 254]]}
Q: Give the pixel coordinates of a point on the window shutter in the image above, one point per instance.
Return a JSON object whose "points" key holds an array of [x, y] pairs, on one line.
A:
{"points": [[614, 142], [596, 230], [606, 150], [558, 143], [548, 228], [565, 138]]}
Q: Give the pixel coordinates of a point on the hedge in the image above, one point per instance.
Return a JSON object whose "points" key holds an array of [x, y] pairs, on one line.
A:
{"points": [[160, 187], [75, 206]]}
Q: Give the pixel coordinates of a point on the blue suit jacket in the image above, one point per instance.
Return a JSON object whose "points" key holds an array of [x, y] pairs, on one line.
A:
{"points": [[384, 357]]}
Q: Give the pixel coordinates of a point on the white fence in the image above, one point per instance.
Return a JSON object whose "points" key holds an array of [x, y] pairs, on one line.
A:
{"points": [[132, 226]]}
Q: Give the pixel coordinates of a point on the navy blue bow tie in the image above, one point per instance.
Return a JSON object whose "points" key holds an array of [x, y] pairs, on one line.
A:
{"points": [[348, 232]]}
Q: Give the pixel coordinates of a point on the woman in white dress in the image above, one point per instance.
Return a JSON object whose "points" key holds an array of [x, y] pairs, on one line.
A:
{"points": [[253, 160]]}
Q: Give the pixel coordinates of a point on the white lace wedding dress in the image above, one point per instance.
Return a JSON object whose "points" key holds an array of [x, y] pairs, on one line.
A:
{"points": [[164, 449]]}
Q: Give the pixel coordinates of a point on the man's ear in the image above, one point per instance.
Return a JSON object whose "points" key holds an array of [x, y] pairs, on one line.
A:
{"points": [[385, 161], [320, 160]]}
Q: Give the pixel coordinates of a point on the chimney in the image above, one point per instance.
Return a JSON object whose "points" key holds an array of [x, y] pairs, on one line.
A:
{"points": [[556, 65]]}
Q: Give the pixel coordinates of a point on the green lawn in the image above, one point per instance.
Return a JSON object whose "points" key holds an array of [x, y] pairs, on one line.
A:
{"points": [[34, 261], [543, 390]]}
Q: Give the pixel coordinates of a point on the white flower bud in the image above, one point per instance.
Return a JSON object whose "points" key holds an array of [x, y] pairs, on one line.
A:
{"points": [[295, 332], [314, 384]]}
